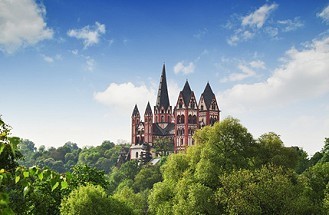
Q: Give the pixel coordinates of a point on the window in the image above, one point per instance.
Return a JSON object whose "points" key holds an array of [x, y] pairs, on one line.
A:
{"points": [[194, 119], [182, 118], [169, 119], [136, 154], [162, 118], [201, 107], [178, 119]]}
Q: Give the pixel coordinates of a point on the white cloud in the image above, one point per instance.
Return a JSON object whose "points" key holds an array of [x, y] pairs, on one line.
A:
{"points": [[303, 75], [185, 69], [122, 97], [251, 24], [258, 64], [89, 34], [246, 72], [90, 64], [324, 14], [22, 24], [290, 25], [48, 59], [258, 17]]}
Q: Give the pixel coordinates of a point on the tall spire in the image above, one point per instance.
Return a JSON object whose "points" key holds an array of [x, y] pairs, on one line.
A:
{"points": [[163, 98], [186, 92], [208, 95], [148, 111], [135, 111]]}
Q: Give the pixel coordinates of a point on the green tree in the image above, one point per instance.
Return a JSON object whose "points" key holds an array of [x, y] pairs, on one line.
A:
{"points": [[269, 190], [272, 151], [146, 177], [91, 199]]}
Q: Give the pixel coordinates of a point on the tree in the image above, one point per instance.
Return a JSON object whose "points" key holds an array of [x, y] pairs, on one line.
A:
{"points": [[163, 146], [91, 199], [9, 153], [317, 179], [268, 190], [147, 177], [272, 151]]}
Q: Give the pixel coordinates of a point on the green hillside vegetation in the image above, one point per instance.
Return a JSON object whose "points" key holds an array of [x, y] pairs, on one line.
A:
{"points": [[227, 171]]}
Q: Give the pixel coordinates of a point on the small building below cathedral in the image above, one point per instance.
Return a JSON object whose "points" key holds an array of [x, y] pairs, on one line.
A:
{"points": [[172, 128]]}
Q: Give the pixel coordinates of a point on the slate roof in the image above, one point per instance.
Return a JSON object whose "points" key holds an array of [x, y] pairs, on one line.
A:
{"points": [[135, 111], [186, 93], [148, 111], [208, 95], [163, 98], [158, 131]]}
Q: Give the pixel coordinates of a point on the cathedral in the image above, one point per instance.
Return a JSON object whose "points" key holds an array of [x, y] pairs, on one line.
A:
{"points": [[177, 125]]}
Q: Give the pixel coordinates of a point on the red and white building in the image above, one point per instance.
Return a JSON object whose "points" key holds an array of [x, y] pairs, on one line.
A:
{"points": [[178, 124]]}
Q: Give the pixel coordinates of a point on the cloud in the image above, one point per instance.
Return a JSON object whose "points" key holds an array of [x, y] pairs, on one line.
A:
{"points": [[122, 97], [324, 14], [89, 34], [185, 69], [201, 33], [258, 64], [50, 59], [258, 17], [290, 25], [90, 63], [302, 75], [250, 25], [22, 24]]}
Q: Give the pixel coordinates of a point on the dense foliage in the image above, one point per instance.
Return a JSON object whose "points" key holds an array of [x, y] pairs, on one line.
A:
{"points": [[227, 171]]}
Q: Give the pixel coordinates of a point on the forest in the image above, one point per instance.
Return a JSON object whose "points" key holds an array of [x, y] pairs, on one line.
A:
{"points": [[227, 171]]}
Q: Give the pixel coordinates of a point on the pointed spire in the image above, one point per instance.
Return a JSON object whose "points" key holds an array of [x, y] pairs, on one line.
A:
{"points": [[186, 92], [208, 95], [163, 98], [135, 111], [148, 111]]}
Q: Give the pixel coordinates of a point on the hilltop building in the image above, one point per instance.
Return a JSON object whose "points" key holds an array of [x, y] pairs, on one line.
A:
{"points": [[176, 126]]}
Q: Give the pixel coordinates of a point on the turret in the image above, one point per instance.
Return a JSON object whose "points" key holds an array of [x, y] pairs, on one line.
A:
{"points": [[135, 119], [148, 122]]}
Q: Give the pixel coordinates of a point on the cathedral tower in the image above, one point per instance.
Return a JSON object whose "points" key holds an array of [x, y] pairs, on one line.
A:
{"points": [[186, 118], [135, 120], [208, 108], [148, 122], [162, 109]]}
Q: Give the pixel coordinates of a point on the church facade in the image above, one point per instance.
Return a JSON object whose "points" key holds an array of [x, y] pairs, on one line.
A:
{"points": [[176, 125]]}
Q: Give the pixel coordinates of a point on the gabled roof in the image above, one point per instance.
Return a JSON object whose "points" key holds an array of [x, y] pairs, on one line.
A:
{"points": [[167, 131], [208, 95], [148, 111], [163, 98], [135, 111], [186, 93]]}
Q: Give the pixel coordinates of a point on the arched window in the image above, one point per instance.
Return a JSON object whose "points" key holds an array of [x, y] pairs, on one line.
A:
{"points": [[136, 154], [194, 119], [178, 119], [169, 119], [192, 104], [213, 105], [189, 119], [201, 107], [162, 118], [183, 131], [182, 119]]}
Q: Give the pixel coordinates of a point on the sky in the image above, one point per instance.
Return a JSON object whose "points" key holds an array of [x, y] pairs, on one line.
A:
{"points": [[73, 70]]}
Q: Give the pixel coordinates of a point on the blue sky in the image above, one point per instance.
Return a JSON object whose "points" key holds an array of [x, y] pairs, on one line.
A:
{"points": [[73, 70]]}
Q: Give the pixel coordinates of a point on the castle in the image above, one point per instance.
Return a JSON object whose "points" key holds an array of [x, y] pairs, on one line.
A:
{"points": [[175, 126]]}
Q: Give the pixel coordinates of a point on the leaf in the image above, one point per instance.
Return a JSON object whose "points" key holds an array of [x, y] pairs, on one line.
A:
{"points": [[17, 178], [40, 176], [55, 186], [64, 185], [26, 174], [26, 190], [2, 146]]}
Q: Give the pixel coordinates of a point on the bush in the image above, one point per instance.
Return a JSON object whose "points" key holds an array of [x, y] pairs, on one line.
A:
{"points": [[91, 199]]}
